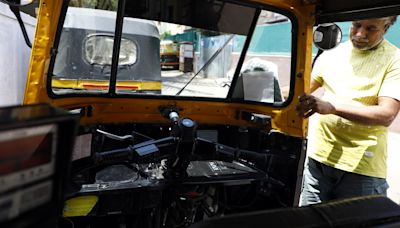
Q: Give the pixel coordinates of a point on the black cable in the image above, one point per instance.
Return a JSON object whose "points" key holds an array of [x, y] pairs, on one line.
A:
{"points": [[316, 57], [15, 10]]}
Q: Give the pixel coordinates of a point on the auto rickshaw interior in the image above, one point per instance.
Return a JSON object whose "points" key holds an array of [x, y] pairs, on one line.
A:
{"points": [[170, 159]]}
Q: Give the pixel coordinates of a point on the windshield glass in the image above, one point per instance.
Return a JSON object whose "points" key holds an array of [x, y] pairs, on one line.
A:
{"points": [[174, 48]]}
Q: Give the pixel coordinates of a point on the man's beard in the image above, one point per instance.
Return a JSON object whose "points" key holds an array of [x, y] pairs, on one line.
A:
{"points": [[368, 46]]}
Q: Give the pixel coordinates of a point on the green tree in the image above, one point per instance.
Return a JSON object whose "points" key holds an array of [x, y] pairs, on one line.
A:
{"points": [[165, 34]]}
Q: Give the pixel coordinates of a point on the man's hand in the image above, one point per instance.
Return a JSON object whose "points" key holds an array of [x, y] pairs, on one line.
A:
{"points": [[309, 104]]}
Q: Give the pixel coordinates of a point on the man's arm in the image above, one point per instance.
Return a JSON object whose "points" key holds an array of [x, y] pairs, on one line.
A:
{"points": [[381, 114]]}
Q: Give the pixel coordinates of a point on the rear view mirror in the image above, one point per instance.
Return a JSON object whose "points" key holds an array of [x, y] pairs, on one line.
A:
{"points": [[327, 36], [17, 2]]}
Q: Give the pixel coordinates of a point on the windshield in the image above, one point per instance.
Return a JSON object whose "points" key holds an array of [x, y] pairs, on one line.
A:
{"points": [[174, 48]]}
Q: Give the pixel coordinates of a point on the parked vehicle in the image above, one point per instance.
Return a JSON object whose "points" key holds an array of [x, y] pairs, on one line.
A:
{"points": [[85, 51], [198, 149], [169, 53]]}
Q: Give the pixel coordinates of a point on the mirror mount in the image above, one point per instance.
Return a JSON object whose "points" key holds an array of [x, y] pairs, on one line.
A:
{"points": [[15, 8], [16, 11]]}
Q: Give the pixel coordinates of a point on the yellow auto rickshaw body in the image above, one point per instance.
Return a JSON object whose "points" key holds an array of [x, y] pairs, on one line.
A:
{"points": [[284, 119]]}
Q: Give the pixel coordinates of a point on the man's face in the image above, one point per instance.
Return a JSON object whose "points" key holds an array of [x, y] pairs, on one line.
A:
{"points": [[367, 34]]}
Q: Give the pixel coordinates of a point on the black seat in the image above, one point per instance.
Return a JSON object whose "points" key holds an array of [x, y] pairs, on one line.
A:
{"points": [[258, 86], [368, 211]]}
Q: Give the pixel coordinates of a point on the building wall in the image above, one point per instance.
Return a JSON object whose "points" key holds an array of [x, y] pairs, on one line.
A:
{"points": [[14, 56]]}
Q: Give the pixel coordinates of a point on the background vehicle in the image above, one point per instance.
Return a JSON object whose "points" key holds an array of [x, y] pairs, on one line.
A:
{"points": [[86, 47], [169, 53]]}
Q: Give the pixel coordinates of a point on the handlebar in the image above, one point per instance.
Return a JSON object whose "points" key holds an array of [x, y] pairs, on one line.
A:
{"points": [[185, 141], [136, 153], [114, 155], [139, 152]]}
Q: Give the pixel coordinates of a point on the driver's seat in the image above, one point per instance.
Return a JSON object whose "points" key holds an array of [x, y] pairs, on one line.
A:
{"points": [[260, 86]]}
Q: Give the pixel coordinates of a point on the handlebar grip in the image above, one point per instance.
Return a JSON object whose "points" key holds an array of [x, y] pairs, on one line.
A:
{"points": [[114, 155], [136, 153], [252, 156]]}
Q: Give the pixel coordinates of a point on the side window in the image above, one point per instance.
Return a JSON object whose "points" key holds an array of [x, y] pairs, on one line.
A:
{"points": [[265, 74]]}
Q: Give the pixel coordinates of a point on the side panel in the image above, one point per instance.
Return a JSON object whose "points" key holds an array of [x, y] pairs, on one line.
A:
{"points": [[47, 21]]}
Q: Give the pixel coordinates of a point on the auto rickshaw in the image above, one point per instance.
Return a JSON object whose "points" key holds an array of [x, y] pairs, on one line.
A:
{"points": [[220, 142], [86, 47]]}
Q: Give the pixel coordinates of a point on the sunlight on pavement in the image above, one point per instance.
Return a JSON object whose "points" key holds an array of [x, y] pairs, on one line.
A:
{"points": [[171, 73], [393, 171]]}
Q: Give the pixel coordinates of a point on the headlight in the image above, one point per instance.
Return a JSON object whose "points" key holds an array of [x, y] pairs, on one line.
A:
{"points": [[98, 50]]}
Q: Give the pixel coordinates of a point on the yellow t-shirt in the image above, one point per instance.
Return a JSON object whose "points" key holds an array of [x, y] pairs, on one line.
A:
{"points": [[354, 77]]}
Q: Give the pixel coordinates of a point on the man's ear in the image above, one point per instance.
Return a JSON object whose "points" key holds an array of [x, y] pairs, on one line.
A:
{"points": [[387, 27]]}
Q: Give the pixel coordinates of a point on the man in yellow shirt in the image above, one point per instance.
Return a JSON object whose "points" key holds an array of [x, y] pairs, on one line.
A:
{"points": [[347, 148]]}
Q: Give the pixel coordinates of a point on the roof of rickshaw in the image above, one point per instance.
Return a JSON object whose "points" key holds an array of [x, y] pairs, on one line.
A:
{"points": [[104, 20], [342, 10]]}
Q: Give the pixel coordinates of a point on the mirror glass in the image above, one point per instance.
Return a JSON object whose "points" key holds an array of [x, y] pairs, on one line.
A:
{"points": [[327, 36]]}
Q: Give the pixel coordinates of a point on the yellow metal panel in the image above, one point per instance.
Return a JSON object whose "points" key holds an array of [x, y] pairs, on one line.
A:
{"points": [[99, 84], [287, 120], [47, 20]]}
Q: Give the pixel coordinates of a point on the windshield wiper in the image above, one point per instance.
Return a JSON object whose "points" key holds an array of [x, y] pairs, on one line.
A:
{"points": [[207, 63]]}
